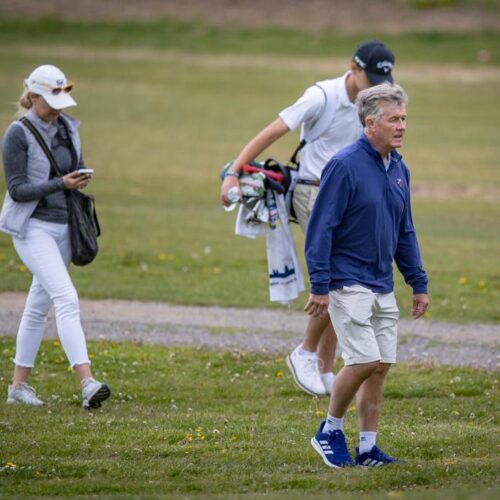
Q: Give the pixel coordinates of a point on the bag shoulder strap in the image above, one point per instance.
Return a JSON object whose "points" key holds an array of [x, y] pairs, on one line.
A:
{"points": [[74, 156], [293, 162], [328, 87], [42, 143]]}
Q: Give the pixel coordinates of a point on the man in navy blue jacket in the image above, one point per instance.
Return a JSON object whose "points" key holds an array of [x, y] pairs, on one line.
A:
{"points": [[360, 224]]}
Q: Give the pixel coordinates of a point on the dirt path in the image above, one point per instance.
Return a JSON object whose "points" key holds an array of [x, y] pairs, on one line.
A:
{"points": [[357, 16], [257, 330]]}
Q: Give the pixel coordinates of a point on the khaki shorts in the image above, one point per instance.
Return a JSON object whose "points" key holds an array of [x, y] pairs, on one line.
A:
{"points": [[303, 200], [365, 323]]}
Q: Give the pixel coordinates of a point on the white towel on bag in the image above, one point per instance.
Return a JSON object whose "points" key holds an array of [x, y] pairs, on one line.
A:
{"points": [[286, 280]]}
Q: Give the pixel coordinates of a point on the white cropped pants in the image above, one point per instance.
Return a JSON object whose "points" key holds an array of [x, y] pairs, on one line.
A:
{"points": [[46, 252]]}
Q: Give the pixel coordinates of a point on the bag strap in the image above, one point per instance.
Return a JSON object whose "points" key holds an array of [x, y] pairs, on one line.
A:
{"points": [[96, 220], [293, 162], [74, 156], [326, 118], [321, 125], [42, 143]]}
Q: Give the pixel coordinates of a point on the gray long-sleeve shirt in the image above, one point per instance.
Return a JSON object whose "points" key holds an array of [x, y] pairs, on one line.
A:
{"points": [[52, 206]]}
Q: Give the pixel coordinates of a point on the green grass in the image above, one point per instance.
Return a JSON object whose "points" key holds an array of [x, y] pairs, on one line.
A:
{"points": [[194, 36], [187, 421], [157, 126]]}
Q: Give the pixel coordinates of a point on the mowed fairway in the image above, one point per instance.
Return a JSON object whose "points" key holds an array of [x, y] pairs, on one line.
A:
{"points": [[188, 422], [157, 126]]}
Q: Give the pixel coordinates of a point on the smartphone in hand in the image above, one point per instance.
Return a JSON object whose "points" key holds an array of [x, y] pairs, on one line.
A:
{"points": [[85, 171]]}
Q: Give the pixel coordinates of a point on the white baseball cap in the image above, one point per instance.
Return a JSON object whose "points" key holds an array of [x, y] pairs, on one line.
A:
{"points": [[50, 82]]}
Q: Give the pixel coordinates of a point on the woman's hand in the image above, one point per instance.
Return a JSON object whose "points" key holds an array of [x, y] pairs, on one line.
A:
{"points": [[74, 180]]}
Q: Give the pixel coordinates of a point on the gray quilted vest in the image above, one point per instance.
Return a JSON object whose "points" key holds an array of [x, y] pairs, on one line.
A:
{"points": [[14, 215]]}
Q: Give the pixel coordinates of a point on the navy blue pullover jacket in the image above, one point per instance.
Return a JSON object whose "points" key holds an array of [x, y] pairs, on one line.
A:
{"points": [[361, 222]]}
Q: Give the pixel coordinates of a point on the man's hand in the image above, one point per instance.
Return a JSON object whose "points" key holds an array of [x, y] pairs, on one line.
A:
{"points": [[420, 305], [227, 184], [317, 305]]}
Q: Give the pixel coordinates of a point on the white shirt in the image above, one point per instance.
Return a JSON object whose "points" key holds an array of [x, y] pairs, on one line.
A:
{"points": [[344, 129]]}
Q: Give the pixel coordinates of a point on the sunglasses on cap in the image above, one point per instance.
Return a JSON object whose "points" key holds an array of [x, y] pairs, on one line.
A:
{"points": [[62, 88]]}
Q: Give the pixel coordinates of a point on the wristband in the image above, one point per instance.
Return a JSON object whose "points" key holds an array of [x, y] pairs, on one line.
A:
{"points": [[231, 174]]}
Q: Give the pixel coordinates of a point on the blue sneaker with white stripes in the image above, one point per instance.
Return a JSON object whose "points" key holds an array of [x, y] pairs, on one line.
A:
{"points": [[374, 458], [332, 448]]}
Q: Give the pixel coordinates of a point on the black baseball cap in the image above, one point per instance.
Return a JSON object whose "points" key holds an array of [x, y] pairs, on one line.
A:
{"points": [[376, 59]]}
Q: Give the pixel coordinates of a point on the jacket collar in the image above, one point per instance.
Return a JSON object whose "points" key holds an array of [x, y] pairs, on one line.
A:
{"points": [[41, 124], [49, 129], [367, 146]]}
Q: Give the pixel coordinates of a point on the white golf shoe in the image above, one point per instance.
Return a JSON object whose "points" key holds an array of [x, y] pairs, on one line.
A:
{"points": [[304, 368], [23, 394], [93, 393]]}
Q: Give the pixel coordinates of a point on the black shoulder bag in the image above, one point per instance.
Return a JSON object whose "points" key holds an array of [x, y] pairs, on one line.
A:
{"points": [[83, 223]]}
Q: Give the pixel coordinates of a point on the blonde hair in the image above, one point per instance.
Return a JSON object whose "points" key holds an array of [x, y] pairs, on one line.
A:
{"points": [[24, 103]]}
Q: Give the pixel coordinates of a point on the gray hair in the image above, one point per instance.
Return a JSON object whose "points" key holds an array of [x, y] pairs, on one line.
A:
{"points": [[369, 100]]}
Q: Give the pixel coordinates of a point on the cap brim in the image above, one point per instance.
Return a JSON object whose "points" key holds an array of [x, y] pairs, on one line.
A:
{"points": [[59, 101], [376, 79]]}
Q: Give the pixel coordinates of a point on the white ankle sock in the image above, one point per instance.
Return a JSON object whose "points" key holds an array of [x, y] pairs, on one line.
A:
{"points": [[328, 379], [333, 424], [303, 352], [367, 441]]}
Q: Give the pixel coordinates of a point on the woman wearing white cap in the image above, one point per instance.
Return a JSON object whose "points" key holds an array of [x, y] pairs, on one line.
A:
{"points": [[35, 213]]}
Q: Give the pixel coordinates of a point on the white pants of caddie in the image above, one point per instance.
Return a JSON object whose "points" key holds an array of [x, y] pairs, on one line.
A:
{"points": [[46, 252], [365, 323]]}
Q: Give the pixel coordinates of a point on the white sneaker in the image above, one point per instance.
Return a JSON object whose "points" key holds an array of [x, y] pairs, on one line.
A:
{"points": [[328, 379], [23, 394], [93, 392], [305, 372]]}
